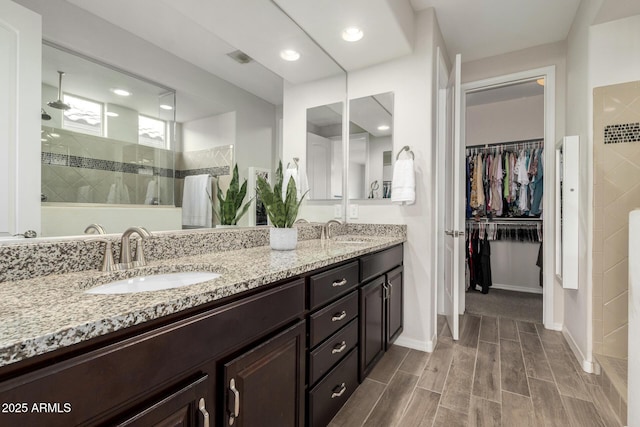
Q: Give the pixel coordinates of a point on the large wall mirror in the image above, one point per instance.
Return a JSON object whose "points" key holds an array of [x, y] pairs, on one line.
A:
{"points": [[123, 160], [370, 149]]}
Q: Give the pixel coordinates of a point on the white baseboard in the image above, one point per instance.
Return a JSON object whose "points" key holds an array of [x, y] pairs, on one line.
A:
{"points": [[517, 288], [427, 346], [587, 366]]}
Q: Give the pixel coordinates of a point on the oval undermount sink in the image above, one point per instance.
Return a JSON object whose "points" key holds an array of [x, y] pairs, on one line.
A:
{"points": [[153, 282]]}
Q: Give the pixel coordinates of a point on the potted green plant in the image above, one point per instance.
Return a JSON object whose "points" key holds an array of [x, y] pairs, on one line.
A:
{"points": [[231, 209], [281, 212]]}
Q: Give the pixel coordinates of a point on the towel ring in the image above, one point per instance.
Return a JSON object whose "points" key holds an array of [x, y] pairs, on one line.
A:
{"points": [[408, 150], [295, 162]]}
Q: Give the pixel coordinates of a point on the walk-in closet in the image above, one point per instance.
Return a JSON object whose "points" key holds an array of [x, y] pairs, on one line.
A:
{"points": [[504, 171]]}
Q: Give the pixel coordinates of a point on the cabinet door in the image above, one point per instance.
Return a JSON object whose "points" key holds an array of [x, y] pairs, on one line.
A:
{"points": [[395, 314], [186, 407], [372, 324], [265, 385]]}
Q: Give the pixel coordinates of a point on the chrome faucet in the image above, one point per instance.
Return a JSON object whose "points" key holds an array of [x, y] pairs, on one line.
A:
{"points": [[125, 247], [301, 221], [326, 228], [95, 227]]}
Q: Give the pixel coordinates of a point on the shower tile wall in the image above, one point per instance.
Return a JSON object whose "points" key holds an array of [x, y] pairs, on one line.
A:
{"points": [[82, 168], [616, 191], [216, 161]]}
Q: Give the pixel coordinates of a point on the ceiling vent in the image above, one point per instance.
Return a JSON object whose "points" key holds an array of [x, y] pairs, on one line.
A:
{"points": [[240, 57]]}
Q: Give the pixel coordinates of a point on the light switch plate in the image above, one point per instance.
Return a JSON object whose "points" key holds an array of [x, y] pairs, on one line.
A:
{"points": [[337, 211], [353, 211]]}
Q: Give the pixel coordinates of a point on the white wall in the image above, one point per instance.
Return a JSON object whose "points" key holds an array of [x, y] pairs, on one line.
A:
{"points": [[209, 132], [410, 79], [577, 303], [72, 220], [505, 121]]}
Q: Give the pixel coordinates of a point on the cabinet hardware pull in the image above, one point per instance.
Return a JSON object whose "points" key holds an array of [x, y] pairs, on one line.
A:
{"points": [[386, 290], [203, 410], [339, 316], [390, 289], [236, 404], [339, 283], [339, 348], [341, 389]]}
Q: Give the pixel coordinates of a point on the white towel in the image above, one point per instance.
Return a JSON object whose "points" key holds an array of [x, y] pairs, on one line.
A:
{"points": [[299, 177], [196, 206], [118, 193], [152, 192], [403, 186], [84, 194]]}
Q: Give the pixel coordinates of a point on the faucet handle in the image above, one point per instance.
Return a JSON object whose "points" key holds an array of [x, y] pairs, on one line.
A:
{"points": [[139, 259], [107, 260]]}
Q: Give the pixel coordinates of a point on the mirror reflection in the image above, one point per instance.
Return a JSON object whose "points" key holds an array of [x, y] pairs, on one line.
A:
{"points": [[370, 163], [371, 146], [324, 151], [106, 137]]}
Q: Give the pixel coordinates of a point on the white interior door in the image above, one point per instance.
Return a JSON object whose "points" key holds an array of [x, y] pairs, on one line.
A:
{"points": [[20, 86], [454, 218]]}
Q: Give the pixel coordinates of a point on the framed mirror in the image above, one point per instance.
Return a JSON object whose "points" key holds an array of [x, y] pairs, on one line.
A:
{"points": [[371, 147]]}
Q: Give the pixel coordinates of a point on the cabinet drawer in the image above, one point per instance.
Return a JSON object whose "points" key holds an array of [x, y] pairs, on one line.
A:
{"points": [[326, 399], [332, 351], [324, 287], [375, 264], [331, 318]]}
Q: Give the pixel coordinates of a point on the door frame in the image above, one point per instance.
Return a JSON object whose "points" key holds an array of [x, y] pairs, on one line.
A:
{"points": [[548, 213]]}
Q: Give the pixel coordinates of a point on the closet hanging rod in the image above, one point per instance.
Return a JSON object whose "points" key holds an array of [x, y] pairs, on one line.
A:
{"points": [[522, 141], [408, 150], [509, 223], [485, 220]]}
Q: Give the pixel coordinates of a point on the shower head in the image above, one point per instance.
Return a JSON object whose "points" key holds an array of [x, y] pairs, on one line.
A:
{"points": [[45, 115], [59, 104]]}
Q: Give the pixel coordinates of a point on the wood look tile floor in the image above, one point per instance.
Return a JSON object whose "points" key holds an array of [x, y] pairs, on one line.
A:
{"points": [[501, 372]]}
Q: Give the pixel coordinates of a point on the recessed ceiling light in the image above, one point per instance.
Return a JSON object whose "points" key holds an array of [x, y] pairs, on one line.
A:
{"points": [[121, 92], [289, 55], [111, 114], [166, 107], [383, 127], [43, 139], [352, 34], [55, 135]]}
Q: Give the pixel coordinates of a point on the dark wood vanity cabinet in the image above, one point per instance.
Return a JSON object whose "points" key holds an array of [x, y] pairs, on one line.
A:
{"points": [[381, 305], [265, 385], [290, 354], [167, 370]]}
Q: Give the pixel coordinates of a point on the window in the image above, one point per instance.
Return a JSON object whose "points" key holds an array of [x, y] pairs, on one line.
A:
{"points": [[152, 132], [84, 115]]}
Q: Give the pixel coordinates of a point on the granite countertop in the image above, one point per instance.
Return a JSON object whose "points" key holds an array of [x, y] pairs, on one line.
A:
{"points": [[43, 314]]}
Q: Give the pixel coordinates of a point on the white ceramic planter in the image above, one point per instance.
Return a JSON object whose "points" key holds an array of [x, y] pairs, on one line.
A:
{"points": [[283, 239]]}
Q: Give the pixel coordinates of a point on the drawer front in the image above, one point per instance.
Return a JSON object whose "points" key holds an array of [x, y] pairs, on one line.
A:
{"points": [[332, 351], [326, 399], [324, 287], [375, 264], [331, 318]]}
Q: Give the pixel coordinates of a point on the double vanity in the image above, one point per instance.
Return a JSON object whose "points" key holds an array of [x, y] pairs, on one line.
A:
{"points": [[260, 337]]}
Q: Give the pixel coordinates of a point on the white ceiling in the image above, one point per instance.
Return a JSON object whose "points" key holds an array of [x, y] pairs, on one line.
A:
{"points": [[203, 32], [483, 28]]}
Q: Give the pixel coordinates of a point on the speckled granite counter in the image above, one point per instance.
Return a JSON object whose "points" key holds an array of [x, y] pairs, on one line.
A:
{"points": [[46, 313]]}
